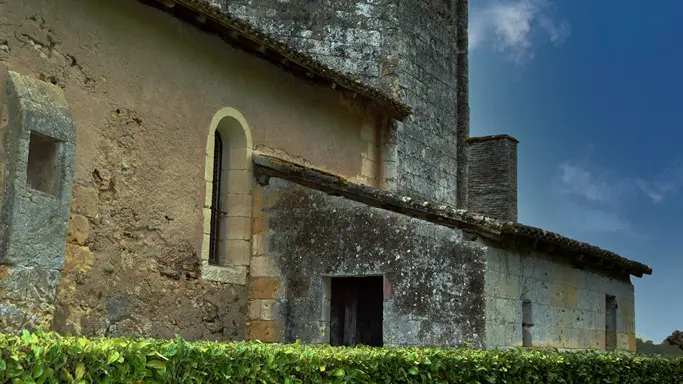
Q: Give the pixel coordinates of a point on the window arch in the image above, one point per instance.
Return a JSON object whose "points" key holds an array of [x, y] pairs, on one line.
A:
{"points": [[228, 201]]}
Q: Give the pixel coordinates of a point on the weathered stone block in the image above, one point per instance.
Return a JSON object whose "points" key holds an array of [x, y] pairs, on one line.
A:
{"points": [[511, 286], [263, 266], [238, 158], [238, 181], [491, 286], [208, 193], [571, 297], [78, 230], [265, 331], [225, 274], [264, 288], [556, 292], [254, 309], [25, 315], [323, 331], [556, 337], [235, 228], [237, 204], [235, 252], [118, 308], [78, 259], [259, 223], [206, 247], [28, 284], [269, 309], [598, 339], [259, 244], [632, 342], [403, 333], [4, 73], [206, 224], [539, 335]]}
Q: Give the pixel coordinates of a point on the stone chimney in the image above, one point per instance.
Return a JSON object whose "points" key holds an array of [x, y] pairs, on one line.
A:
{"points": [[492, 179]]}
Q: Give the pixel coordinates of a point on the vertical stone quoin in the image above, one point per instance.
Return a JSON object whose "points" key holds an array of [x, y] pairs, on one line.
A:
{"points": [[37, 162]]}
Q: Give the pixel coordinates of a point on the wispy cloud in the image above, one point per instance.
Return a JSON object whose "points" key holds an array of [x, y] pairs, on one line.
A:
{"points": [[598, 197], [512, 26]]}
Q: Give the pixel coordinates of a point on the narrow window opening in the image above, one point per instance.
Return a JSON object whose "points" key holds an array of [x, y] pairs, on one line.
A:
{"points": [[357, 310], [216, 200], [610, 322], [527, 323], [43, 162]]}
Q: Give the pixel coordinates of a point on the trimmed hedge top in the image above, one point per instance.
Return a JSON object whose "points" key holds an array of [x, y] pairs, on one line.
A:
{"points": [[49, 358]]}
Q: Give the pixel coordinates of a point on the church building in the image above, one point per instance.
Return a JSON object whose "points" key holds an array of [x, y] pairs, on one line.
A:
{"points": [[278, 171]]}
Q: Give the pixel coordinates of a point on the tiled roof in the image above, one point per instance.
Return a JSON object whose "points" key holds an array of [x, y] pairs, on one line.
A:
{"points": [[493, 229], [213, 18]]}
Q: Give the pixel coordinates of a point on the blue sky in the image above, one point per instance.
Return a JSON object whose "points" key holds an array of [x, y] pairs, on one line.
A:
{"points": [[594, 93]]}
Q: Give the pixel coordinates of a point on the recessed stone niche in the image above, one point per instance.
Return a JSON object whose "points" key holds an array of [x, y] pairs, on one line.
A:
{"points": [[42, 171]]}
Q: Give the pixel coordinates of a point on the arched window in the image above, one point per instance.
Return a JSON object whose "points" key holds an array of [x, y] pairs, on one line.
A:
{"points": [[216, 199], [228, 201]]}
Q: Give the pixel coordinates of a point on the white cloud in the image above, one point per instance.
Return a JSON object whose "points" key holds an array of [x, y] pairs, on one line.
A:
{"points": [[655, 191], [590, 183], [510, 27], [598, 198]]}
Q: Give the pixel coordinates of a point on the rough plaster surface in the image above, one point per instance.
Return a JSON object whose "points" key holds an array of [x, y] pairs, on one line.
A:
{"points": [[568, 304], [33, 224], [143, 87], [492, 184], [434, 278], [405, 47]]}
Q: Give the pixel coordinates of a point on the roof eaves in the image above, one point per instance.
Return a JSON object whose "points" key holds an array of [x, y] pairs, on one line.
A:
{"points": [[580, 250], [291, 56], [442, 214]]}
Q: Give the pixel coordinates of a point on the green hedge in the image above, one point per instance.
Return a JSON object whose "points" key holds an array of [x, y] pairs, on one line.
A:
{"points": [[49, 358]]}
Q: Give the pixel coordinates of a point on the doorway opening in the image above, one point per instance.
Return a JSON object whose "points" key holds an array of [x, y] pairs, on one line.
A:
{"points": [[357, 311]]}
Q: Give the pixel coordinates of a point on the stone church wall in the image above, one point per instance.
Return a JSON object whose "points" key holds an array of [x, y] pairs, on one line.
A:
{"points": [[567, 305], [142, 88], [407, 47], [433, 277]]}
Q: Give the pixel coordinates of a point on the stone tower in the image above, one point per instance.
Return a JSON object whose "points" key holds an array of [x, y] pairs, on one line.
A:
{"points": [[411, 48]]}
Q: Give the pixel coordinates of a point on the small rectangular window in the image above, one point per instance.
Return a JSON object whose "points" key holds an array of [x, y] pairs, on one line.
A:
{"points": [[527, 323], [42, 173], [610, 322]]}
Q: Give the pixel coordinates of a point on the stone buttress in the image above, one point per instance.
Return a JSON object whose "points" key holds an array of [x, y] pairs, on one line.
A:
{"points": [[36, 172]]}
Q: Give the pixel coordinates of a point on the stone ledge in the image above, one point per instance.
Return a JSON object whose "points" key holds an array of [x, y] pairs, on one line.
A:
{"points": [[225, 274]]}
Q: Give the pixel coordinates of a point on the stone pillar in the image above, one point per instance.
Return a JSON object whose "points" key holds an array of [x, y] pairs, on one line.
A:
{"points": [[36, 173], [492, 179]]}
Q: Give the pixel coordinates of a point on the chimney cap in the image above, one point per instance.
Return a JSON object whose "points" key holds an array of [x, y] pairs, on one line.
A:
{"points": [[479, 139]]}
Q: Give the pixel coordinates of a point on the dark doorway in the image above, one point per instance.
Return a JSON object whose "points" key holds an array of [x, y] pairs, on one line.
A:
{"points": [[357, 311]]}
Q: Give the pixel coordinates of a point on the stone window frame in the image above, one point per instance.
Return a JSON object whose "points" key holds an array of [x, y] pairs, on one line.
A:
{"points": [[236, 199]]}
